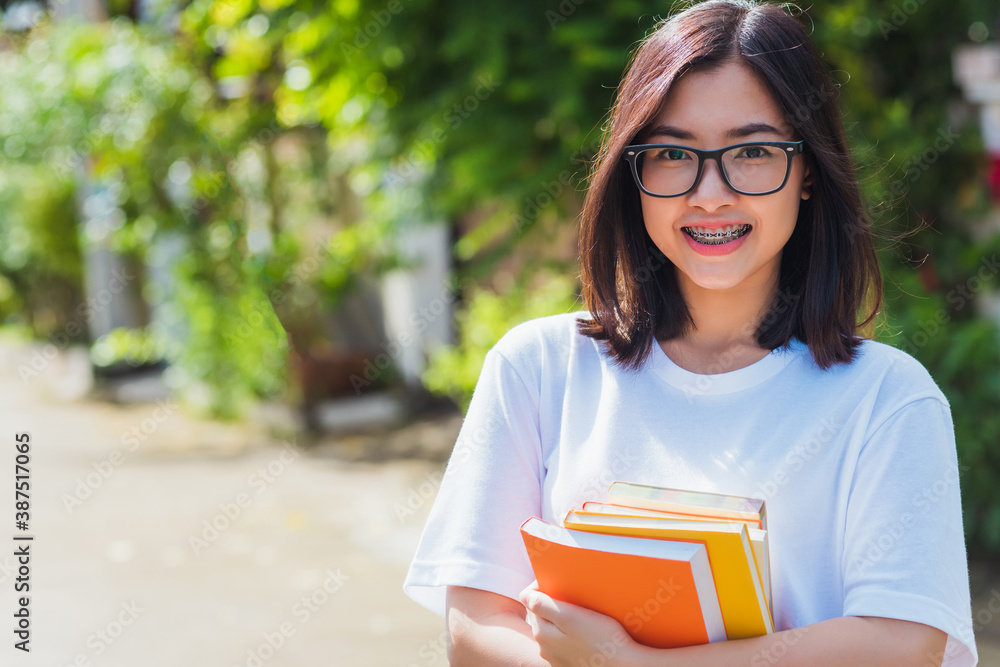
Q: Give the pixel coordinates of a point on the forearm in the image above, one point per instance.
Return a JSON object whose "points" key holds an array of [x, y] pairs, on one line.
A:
{"points": [[856, 641], [499, 640]]}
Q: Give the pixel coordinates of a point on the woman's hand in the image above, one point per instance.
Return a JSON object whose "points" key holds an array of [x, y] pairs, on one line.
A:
{"points": [[570, 635]]}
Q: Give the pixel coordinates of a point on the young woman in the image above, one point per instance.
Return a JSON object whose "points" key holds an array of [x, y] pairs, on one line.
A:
{"points": [[726, 256]]}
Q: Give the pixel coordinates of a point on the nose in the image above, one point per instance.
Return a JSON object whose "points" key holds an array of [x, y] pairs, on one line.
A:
{"points": [[711, 191]]}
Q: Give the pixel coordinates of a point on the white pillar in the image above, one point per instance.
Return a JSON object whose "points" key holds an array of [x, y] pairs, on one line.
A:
{"points": [[110, 287], [417, 302]]}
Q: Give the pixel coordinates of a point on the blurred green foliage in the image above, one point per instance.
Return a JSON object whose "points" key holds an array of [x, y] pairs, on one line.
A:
{"points": [[188, 152], [278, 146]]}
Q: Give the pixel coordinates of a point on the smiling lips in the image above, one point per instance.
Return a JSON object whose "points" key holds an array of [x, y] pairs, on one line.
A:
{"points": [[716, 235]]}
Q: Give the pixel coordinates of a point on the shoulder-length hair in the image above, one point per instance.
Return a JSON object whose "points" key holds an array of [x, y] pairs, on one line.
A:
{"points": [[828, 269]]}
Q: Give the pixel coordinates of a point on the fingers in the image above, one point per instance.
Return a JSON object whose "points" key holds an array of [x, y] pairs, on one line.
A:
{"points": [[527, 596], [533, 586], [542, 611], [541, 605], [543, 630]]}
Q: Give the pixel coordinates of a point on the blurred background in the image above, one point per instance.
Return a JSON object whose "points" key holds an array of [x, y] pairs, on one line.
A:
{"points": [[252, 255]]}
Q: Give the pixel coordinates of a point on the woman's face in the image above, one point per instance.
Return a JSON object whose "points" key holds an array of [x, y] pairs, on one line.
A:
{"points": [[708, 110]]}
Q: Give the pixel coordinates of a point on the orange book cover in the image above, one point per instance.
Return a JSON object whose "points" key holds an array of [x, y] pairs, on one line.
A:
{"points": [[661, 591]]}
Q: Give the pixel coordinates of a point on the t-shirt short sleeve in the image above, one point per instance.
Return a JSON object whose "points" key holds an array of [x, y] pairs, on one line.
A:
{"points": [[904, 554], [491, 485]]}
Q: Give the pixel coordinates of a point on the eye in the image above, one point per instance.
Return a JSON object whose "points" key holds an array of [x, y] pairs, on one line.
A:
{"points": [[754, 153], [671, 155]]}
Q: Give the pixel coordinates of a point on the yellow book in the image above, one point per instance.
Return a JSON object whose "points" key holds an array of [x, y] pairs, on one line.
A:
{"points": [[758, 537], [745, 609]]}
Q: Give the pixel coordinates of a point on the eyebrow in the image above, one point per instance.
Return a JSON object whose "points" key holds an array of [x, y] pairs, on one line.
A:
{"points": [[735, 133]]}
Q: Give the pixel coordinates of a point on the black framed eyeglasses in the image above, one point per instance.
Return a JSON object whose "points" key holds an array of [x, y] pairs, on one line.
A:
{"points": [[753, 168]]}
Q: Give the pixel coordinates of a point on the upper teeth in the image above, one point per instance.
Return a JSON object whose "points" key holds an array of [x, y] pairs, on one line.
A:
{"points": [[718, 231]]}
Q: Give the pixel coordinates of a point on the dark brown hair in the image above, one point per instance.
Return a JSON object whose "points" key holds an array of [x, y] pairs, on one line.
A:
{"points": [[829, 268]]}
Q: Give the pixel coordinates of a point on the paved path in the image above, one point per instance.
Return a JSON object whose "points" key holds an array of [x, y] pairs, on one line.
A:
{"points": [[165, 541]]}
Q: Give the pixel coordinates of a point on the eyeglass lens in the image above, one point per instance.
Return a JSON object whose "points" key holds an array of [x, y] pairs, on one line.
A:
{"points": [[749, 169]]}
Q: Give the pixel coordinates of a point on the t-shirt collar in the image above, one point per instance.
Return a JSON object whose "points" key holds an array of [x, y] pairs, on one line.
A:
{"points": [[723, 383]]}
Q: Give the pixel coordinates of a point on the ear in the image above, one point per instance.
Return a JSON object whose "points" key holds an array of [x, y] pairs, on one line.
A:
{"points": [[807, 181]]}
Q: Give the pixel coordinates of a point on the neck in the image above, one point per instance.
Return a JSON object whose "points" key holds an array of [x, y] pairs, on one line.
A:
{"points": [[722, 338]]}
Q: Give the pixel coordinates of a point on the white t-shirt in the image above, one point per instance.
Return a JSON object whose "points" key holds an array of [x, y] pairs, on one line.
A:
{"points": [[857, 465]]}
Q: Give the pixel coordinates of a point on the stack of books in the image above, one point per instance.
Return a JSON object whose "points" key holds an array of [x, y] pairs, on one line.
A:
{"points": [[674, 567]]}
